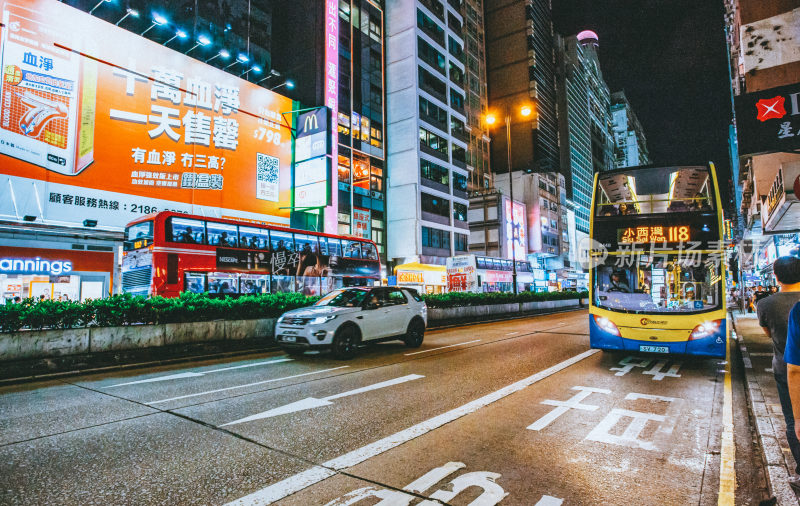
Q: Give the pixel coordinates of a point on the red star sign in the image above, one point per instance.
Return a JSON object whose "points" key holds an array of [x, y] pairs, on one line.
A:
{"points": [[771, 108]]}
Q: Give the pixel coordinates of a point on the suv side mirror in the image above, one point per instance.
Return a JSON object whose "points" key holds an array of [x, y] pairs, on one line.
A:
{"points": [[372, 305]]}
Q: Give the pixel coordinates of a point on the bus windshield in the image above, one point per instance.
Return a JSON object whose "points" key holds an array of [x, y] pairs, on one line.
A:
{"points": [[662, 283], [654, 191], [138, 236]]}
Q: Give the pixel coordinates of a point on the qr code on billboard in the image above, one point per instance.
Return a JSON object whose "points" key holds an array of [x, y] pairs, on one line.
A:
{"points": [[267, 168], [267, 177]]}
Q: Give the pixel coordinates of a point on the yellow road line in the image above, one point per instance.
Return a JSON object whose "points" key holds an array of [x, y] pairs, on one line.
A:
{"points": [[727, 474]]}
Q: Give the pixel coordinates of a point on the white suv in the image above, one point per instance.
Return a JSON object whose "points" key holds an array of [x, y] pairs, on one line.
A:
{"points": [[344, 318]]}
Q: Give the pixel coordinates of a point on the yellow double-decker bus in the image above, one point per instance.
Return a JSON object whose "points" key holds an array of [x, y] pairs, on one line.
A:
{"points": [[657, 282]]}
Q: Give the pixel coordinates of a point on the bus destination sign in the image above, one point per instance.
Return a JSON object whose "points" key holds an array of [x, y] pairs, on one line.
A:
{"points": [[654, 233]]}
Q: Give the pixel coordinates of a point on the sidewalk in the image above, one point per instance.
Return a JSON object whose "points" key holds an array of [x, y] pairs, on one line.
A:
{"points": [[756, 349]]}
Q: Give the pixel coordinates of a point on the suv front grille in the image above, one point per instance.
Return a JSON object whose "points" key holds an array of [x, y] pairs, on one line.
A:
{"points": [[296, 321]]}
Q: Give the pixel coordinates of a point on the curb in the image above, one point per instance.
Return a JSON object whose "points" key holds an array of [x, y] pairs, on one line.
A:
{"points": [[777, 473]]}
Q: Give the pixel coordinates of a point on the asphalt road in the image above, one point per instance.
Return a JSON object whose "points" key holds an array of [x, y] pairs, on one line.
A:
{"points": [[513, 412]]}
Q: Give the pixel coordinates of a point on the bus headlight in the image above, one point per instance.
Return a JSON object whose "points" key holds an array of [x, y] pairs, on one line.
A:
{"points": [[705, 329], [606, 325]]}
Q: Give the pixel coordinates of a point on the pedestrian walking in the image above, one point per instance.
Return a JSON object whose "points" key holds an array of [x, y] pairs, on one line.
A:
{"points": [[774, 317]]}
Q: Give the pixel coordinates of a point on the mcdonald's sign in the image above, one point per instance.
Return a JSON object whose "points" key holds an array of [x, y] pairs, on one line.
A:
{"points": [[312, 122], [311, 188]]}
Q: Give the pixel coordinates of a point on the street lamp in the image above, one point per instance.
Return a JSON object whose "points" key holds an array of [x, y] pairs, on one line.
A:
{"points": [[101, 2], [179, 33], [254, 68], [241, 58], [272, 73], [201, 41], [491, 119], [288, 83], [224, 54], [128, 12], [158, 20]]}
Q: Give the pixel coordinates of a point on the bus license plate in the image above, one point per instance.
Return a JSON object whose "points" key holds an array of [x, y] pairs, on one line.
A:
{"points": [[654, 349], [289, 339]]}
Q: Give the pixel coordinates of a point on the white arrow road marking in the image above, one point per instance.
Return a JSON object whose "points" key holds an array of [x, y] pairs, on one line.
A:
{"points": [[311, 402], [316, 474], [197, 374], [247, 385], [441, 347]]}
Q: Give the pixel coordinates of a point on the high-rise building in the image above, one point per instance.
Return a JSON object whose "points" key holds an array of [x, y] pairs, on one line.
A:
{"points": [[427, 137], [630, 143], [520, 71], [584, 119]]}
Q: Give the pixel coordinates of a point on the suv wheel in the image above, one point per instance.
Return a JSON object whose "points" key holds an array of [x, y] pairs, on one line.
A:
{"points": [[415, 334], [345, 342]]}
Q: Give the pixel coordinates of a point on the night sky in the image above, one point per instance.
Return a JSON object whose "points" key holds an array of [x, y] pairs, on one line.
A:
{"points": [[670, 57]]}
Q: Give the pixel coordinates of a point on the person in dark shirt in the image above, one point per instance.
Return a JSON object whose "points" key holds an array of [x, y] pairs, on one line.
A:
{"points": [[773, 316]]}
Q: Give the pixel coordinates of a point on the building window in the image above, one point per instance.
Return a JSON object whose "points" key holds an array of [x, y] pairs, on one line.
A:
{"points": [[429, 26], [454, 23], [456, 75], [457, 127], [455, 48], [460, 242], [435, 238], [459, 211], [459, 154], [430, 111], [430, 55], [456, 100], [432, 84], [459, 182], [433, 141], [434, 172], [435, 205]]}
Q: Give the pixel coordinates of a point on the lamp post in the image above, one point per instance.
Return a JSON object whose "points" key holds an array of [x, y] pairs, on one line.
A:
{"points": [[525, 111], [128, 12]]}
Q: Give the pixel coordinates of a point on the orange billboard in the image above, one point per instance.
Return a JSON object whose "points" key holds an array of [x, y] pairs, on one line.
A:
{"points": [[99, 123]]}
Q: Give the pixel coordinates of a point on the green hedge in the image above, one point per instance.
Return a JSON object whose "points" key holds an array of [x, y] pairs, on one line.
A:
{"points": [[190, 307], [126, 310], [458, 299]]}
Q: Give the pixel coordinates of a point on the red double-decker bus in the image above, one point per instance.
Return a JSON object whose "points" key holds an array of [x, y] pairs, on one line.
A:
{"points": [[168, 253]]}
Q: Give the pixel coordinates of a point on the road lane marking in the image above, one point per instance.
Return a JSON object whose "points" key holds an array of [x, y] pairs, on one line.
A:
{"points": [[562, 407], [549, 500], [316, 474], [628, 363], [441, 348], [247, 385], [182, 375], [727, 474], [604, 433], [313, 402], [658, 375]]}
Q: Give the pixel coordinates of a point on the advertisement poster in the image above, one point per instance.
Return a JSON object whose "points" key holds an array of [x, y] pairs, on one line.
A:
{"points": [[99, 123], [461, 274], [362, 223], [515, 230]]}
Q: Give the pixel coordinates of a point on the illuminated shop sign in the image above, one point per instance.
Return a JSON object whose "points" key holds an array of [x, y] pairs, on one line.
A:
{"points": [[769, 120], [35, 265], [312, 163]]}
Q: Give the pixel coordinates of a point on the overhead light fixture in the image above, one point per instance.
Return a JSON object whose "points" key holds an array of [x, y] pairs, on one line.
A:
{"points": [[158, 20], [255, 69], [288, 83], [128, 12], [29, 217], [90, 223], [101, 2], [222, 54], [201, 41], [241, 58], [179, 34]]}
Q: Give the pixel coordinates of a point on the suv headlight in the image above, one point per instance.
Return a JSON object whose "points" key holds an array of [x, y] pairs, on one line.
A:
{"points": [[319, 320], [280, 319]]}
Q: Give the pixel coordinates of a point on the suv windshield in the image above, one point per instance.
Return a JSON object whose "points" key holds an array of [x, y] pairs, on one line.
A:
{"points": [[668, 283], [343, 298]]}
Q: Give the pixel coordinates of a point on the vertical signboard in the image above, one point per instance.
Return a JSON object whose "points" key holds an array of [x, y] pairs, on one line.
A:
{"points": [[99, 123], [311, 187], [516, 236], [362, 223], [332, 98]]}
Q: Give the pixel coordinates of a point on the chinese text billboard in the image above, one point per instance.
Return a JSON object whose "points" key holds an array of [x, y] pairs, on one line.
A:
{"points": [[99, 123]]}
